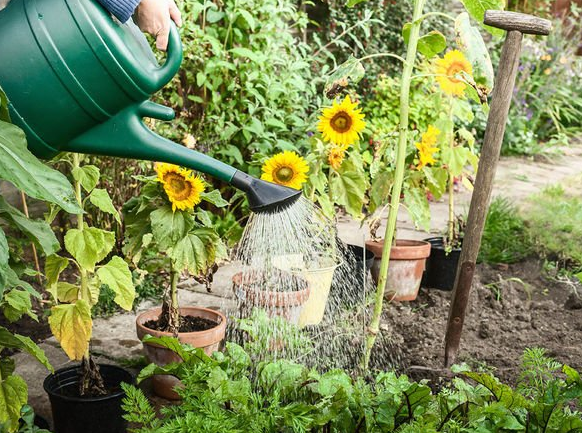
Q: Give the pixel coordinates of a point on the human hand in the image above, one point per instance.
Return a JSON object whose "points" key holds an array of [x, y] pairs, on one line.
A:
{"points": [[153, 17]]}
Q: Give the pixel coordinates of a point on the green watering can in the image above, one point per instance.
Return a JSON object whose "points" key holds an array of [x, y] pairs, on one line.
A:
{"points": [[79, 81]]}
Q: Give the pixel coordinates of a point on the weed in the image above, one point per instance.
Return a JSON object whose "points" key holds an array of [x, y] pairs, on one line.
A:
{"points": [[505, 238], [554, 220]]}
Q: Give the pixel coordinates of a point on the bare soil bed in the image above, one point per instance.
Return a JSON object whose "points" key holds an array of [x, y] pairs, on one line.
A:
{"points": [[505, 316]]}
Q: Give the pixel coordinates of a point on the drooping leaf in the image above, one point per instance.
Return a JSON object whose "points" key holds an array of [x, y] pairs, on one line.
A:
{"points": [[53, 267], [417, 206], [21, 168], [17, 341], [16, 304], [351, 71], [87, 176], [471, 43], [89, 246], [436, 180], [477, 8], [214, 197], [456, 159], [71, 324], [169, 227], [66, 292], [197, 251], [13, 395], [100, 198], [37, 231], [117, 276], [349, 186]]}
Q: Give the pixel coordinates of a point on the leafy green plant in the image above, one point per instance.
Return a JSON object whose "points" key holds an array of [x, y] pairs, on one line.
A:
{"points": [[228, 392], [505, 236], [266, 338], [70, 319], [19, 167], [162, 221]]}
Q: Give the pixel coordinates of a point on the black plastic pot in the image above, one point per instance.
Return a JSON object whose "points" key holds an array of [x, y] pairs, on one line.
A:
{"points": [[441, 268], [358, 252], [74, 414]]}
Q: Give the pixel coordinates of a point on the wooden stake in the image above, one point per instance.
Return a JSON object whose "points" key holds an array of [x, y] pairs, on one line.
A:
{"points": [[517, 25]]}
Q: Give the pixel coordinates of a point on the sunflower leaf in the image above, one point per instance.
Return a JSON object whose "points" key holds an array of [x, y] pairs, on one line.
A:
{"points": [[100, 198], [169, 227], [71, 324], [117, 276], [349, 186], [477, 8], [471, 43]]}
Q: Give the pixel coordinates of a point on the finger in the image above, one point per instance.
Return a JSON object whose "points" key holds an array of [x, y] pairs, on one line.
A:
{"points": [[175, 13], [162, 38]]}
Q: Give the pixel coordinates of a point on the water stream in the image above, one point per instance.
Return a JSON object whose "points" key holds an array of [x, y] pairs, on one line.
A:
{"points": [[305, 291]]}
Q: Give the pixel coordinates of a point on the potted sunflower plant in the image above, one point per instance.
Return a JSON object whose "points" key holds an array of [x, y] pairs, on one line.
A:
{"points": [[86, 397], [168, 232], [457, 155]]}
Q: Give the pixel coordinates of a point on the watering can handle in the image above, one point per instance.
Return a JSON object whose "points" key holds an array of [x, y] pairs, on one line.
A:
{"points": [[162, 75]]}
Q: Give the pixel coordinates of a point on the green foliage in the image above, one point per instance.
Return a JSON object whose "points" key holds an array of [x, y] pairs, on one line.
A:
{"points": [[70, 319], [505, 236], [19, 167], [246, 86], [547, 104], [268, 338], [381, 34], [554, 220], [229, 392]]}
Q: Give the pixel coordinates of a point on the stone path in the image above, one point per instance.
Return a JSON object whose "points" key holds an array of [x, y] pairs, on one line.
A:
{"points": [[115, 337]]}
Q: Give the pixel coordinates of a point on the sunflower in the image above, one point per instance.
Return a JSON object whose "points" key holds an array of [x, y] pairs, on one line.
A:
{"points": [[450, 65], [182, 187], [286, 168], [341, 123], [336, 156], [426, 147]]}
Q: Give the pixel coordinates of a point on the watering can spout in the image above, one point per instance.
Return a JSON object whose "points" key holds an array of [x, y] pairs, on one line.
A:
{"points": [[125, 135]]}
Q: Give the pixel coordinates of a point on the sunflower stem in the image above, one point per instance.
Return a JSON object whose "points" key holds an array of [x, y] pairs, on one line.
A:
{"points": [[451, 225], [373, 329]]}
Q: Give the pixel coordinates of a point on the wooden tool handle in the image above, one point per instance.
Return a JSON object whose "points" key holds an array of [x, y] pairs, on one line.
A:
{"points": [[527, 24]]}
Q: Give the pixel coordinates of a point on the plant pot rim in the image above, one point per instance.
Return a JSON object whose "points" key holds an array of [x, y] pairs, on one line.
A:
{"points": [[91, 399], [289, 298], [437, 242], [405, 249], [154, 313]]}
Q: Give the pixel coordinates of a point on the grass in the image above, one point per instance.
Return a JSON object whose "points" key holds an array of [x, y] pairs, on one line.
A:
{"points": [[505, 236], [554, 220]]}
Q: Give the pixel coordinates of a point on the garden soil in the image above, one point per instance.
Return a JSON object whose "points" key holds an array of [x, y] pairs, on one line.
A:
{"points": [[511, 308]]}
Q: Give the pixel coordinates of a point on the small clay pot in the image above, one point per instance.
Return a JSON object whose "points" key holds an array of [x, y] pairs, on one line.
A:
{"points": [[285, 303], [208, 340], [407, 263]]}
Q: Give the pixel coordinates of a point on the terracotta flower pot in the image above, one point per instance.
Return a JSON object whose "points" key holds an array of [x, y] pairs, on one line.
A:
{"points": [[286, 303], [407, 263], [208, 340]]}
